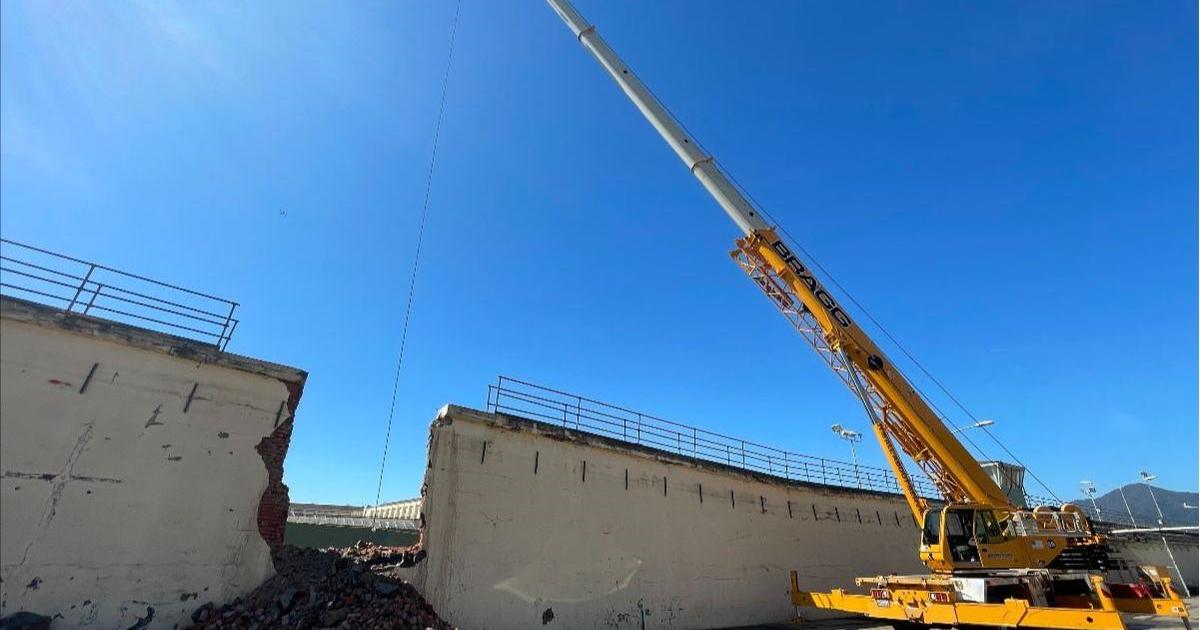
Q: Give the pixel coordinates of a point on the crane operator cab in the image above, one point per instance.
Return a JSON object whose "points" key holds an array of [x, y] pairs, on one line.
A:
{"points": [[961, 536]]}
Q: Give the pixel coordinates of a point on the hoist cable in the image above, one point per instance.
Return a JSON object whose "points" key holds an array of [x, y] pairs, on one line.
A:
{"points": [[412, 282], [960, 429], [754, 202]]}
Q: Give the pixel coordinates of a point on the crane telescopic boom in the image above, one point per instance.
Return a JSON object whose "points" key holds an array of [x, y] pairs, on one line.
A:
{"points": [[898, 413], [994, 563], [701, 165]]}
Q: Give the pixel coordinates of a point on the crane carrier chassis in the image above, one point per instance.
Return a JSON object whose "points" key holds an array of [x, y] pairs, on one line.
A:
{"points": [[1014, 599]]}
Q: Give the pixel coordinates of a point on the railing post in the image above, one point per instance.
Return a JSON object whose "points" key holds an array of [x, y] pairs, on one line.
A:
{"points": [[624, 428], [786, 470], [695, 442], [639, 428], [564, 415], [229, 335], [823, 478], [225, 327], [743, 453], [79, 289], [93, 299], [578, 410]]}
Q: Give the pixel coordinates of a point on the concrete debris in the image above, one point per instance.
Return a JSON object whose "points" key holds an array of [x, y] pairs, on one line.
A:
{"points": [[354, 587]]}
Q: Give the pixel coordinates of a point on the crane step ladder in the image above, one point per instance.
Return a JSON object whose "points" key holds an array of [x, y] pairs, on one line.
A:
{"points": [[1018, 599]]}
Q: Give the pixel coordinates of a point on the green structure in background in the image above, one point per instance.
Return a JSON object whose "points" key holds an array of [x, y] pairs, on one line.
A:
{"points": [[319, 536], [315, 525]]}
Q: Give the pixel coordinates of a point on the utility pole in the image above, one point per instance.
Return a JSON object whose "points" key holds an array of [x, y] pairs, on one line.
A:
{"points": [[1132, 521], [1089, 489], [974, 425], [1146, 479], [851, 437]]}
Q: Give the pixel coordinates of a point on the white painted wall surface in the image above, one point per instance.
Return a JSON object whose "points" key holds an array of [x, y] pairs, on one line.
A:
{"points": [[114, 502], [1146, 550], [508, 548]]}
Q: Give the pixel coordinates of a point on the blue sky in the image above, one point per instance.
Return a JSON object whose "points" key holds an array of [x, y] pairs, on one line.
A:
{"points": [[1010, 188]]}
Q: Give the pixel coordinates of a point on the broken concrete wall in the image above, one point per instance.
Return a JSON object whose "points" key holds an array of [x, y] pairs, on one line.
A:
{"points": [[1134, 550], [530, 524], [142, 473]]}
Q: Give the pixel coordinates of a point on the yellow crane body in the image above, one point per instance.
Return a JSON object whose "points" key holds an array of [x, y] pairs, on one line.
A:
{"points": [[917, 601], [993, 562]]}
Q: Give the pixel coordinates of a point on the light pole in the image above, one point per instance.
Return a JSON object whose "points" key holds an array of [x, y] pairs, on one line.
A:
{"points": [[851, 437], [1132, 521], [1089, 489], [1146, 479], [974, 425]]}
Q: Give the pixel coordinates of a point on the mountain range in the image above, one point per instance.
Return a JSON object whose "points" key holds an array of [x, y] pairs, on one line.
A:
{"points": [[1141, 504]]}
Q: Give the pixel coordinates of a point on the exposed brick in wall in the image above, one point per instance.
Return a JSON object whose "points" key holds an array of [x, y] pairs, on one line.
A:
{"points": [[273, 506]]}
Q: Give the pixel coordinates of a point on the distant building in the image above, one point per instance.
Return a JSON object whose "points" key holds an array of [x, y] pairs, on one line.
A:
{"points": [[406, 509], [321, 509]]}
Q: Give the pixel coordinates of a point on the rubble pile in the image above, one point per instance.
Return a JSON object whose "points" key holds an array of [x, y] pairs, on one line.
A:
{"points": [[354, 587]]}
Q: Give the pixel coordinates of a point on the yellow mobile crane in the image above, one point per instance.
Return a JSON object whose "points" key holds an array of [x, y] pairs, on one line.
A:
{"points": [[993, 562]]}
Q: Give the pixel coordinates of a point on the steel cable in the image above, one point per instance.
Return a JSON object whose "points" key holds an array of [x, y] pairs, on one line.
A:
{"points": [[960, 430], [412, 284]]}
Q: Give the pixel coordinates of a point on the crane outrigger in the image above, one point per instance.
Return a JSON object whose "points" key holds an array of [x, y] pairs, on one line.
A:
{"points": [[993, 562]]}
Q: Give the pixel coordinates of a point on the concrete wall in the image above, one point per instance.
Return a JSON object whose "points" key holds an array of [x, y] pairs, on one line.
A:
{"points": [[142, 473], [529, 524], [1142, 549]]}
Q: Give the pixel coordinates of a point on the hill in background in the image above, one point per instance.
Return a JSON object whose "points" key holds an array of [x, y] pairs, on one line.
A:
{"points": [[1112, 508]]}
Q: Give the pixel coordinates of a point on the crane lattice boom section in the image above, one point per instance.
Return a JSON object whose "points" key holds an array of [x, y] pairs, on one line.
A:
{"points": [[789, 304]]}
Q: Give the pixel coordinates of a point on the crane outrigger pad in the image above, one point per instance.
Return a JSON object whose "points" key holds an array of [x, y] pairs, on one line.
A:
{"points": [[941, 600]]}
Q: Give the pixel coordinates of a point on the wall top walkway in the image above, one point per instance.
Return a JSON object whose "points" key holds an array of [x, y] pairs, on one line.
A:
{"points": [[582, 414], [455, 413], [17, 309]]}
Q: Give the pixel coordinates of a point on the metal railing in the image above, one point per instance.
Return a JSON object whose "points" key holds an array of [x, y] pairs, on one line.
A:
{"points": [[323, 518], [81, 286], [578, 413]]}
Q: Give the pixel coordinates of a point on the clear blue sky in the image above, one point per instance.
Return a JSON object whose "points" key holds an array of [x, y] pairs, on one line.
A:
{"points": [[1010, 187]]}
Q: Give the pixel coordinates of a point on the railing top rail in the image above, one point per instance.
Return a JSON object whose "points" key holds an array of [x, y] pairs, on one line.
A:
{"points": [[647, 416], [593, 416], [81, 286], [114, 270]]}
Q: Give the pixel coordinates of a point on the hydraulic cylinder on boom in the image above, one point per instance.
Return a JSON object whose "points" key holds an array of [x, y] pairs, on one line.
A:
{"points": [[1046, 556]]}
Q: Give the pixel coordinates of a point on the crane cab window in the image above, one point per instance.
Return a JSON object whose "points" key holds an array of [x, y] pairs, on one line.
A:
{"points": [[931, 533], [987, 529], [960, 535]]}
